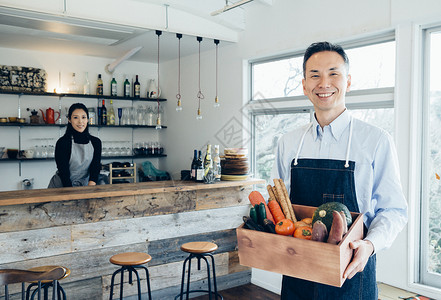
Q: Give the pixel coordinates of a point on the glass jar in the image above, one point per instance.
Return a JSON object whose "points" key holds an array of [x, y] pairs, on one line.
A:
{"points": [[92, 116]]}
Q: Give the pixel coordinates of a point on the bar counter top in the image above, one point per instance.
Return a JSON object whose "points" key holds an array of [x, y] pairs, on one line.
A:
{"points": [[114, 190]]}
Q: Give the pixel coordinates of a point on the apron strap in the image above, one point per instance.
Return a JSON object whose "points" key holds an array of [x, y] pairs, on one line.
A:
{"points": [[347, 149], [301, 143]]}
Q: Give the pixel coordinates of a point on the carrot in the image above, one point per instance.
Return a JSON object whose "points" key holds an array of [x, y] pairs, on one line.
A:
{"points": [[276, 211], [256, 198]]}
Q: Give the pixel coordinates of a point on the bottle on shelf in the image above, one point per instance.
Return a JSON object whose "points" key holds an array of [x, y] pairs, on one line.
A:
{"points": [[103, 114], [200, 169], [216, 164], [126, 88], [194, 165], [73, 88], [99, 85], [86, 86], [136, 88], [111, 114], [92, 116], [208, 166], [113, 89]]}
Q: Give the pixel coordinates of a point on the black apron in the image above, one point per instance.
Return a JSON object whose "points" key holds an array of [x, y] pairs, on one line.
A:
{"points": [[314, 182]]}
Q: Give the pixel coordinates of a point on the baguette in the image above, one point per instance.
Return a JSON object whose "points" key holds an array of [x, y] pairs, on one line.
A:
{"points": [[285, 192], [271, 194], [281, 197]]}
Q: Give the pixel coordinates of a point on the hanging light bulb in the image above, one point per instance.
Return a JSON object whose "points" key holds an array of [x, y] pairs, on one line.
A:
{"points": [[158, 117], [178, 95], [200, 96], [216, 99]]}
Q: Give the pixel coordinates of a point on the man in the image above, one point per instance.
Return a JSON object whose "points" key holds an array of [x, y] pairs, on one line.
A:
{"points": [[340, 158]]}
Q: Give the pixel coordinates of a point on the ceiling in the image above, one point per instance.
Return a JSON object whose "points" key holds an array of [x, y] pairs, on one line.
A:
{"points": [[68, 33]]}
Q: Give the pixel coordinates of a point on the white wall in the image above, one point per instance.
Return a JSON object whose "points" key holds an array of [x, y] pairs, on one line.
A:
{"points": [[293, 25], [12, 173]]}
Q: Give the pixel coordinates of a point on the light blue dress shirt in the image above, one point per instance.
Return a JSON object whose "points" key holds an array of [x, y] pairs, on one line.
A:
{"points": [[377, 178]]}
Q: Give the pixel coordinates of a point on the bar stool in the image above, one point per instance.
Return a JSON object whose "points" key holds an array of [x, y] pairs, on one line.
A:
{"points": [[130, 261], [46, 284], [199, 250]]}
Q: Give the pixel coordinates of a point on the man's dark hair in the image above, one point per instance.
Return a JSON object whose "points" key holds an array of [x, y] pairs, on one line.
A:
{"points": [[324, 46]]}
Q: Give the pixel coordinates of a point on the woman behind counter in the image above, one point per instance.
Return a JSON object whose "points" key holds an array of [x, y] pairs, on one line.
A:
{"points": [[77, 153]]}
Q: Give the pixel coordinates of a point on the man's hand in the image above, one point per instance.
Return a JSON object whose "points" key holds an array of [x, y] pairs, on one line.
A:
{"points": [[363, 249], [92, 182]]}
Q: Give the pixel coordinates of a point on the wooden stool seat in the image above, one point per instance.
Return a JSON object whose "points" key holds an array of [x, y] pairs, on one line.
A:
{"points": [[199, 247], [130, 262], [50, 268], [130, 259]]}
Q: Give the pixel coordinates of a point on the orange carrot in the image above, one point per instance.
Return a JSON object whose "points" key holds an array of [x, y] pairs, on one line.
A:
{"points": [[256, 198], [276, 211]]}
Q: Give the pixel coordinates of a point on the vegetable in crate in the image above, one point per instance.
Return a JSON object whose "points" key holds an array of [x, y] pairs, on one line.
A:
{"points": [[269, 226], [337, 229], [319, 232], [256, 198], [276, 211], [324, 213], [250, 224], [253, 214], [285, 227], [261, 213], [303, 232]]}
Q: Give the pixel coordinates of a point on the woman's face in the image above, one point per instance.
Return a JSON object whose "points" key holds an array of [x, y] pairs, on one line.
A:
{"points": [[79, 120]]}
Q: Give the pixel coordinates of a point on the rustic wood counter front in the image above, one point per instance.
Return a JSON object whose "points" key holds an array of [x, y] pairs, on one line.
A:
{"points": [[82, 227]]}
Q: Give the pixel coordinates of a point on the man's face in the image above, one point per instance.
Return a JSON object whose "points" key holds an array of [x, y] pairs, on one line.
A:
{"points": [[326, 82]]}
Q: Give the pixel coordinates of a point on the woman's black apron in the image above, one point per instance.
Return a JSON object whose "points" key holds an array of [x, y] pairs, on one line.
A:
{"points": [[314, 182]]}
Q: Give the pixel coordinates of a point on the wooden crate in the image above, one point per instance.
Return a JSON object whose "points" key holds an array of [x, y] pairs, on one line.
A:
{"points": [[315, 261]]}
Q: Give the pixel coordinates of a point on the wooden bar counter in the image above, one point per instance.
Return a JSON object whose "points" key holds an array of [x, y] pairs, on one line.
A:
{"points": [[82, 227]]}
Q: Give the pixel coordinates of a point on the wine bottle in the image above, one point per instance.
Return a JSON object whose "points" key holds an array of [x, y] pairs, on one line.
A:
{"points": [[86, 86], [216, 164], [208, 166], [136, 88], [99, 85], [194, 164], [200, 169], [126, 88], [113, 91], [103, 114], [111, 114]]}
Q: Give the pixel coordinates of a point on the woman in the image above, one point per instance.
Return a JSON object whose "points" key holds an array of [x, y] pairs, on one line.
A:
{"points": [[77, 153]]}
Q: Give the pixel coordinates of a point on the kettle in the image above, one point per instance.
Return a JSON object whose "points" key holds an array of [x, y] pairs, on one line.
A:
{"points": [[49, 118]]}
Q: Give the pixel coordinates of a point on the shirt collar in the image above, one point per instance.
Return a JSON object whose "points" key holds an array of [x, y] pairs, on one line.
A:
{"points": [[337, 126]]}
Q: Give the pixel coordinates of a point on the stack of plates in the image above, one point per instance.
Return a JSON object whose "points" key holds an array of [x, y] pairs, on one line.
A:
{"points": [[235, 164]]}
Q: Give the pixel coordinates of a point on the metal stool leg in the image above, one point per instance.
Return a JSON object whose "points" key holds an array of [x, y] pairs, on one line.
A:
{"points": [[121, 289], [188, 277], [148, 281], [214, 275], [112, 282]]}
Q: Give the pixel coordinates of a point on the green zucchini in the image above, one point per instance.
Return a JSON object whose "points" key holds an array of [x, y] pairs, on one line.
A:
{"points": [[261, 213], [253, 214]]}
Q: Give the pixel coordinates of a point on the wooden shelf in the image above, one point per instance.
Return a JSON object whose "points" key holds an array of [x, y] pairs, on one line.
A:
{"points": [[132, 169], [61, 95]]}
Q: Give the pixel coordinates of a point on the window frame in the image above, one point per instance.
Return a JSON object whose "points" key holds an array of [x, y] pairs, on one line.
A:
{"points": [[422, 275]]}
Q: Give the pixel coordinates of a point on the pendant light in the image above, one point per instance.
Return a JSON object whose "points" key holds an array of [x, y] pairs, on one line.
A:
{"points": [[216, 100], [158, 117], [178, 95], [200, 96]]}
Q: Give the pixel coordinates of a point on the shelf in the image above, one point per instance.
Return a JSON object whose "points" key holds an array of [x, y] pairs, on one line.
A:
{"points": [[64, 125], [81, 96], [102, 157], [130, 170]]}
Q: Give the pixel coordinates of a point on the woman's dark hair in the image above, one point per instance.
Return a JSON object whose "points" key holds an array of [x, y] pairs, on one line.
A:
{"points": [[324, 46], [72, 108]]}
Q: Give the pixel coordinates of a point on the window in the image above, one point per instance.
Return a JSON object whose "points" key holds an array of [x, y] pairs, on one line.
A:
{"points": [[371, 66], [431, 163], [276, 83]]}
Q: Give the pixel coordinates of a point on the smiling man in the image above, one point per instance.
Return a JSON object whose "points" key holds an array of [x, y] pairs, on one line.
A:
{"points": [[339, 158]]}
